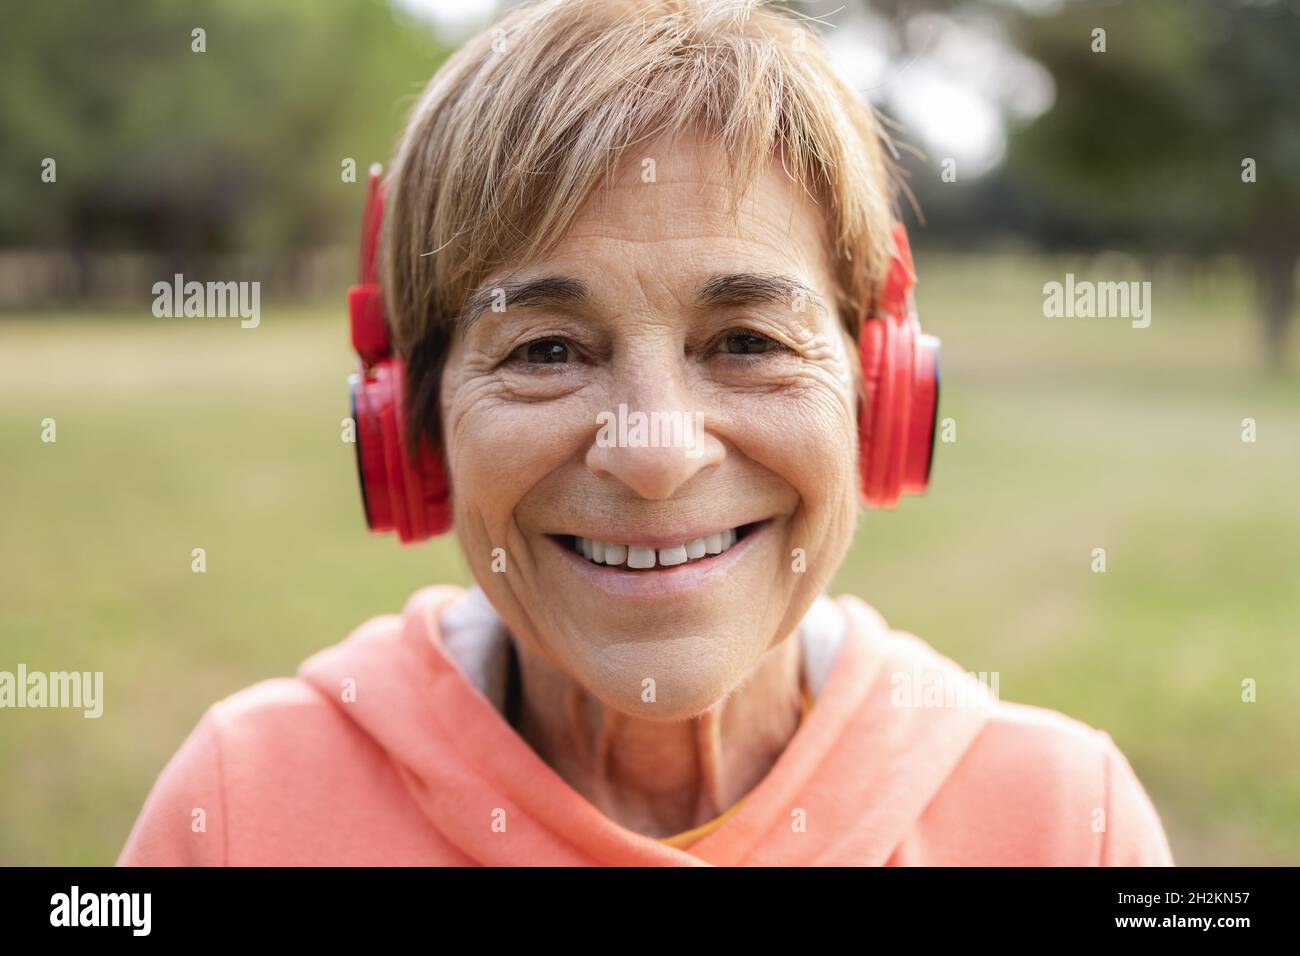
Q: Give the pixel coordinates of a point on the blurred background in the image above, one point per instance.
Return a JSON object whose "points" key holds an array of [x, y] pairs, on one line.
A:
{"points": [[1031, 153]]}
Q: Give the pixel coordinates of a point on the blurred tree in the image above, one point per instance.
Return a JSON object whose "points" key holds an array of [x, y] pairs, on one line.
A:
{"points": [[161, 148], [1146, 142]]}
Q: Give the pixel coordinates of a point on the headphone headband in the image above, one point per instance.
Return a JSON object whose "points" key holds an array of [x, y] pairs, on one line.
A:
{"points": [[895, 299], [366, 299]]}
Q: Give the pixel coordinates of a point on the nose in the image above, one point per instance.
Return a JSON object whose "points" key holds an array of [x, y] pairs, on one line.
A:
{"points": [[654, 442]]}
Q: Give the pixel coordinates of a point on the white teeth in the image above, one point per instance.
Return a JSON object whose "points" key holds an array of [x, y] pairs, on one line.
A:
{"points": [[674, 555], [640, 558]]}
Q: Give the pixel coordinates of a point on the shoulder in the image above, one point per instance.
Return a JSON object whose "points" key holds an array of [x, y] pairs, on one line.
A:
{"points": [[1052, 758], [1040, 786], [240, 771], [285, 725], [279, 715], [1063, 789], [267, 766]]}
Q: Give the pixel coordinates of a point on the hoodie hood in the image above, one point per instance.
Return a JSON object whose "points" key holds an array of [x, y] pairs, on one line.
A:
{"points": [[850, 785]]}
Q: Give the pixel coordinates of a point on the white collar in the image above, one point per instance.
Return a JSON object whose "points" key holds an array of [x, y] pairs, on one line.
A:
{"points": [[476, 639]]}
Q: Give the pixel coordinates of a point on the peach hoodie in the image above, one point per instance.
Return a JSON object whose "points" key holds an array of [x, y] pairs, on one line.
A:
{"points": [[419, 766]]}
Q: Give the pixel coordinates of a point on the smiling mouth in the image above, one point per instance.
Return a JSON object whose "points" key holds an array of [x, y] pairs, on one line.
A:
{"points": [[635, 559]]}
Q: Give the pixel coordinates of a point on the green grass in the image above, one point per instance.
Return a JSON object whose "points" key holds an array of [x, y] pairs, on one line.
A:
{"points": [[1071, 435]]}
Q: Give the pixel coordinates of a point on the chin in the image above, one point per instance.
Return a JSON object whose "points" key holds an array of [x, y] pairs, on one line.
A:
{"points": [[667, 685]]}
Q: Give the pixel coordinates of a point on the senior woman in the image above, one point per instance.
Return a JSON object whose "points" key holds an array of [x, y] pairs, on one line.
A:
{"points": [[603, 209]]}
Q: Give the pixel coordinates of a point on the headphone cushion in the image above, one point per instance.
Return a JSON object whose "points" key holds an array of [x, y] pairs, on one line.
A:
{"points": [[902, 375], [919, 455], [875, 351], [396, 467], [425, 477], [372, 466]]}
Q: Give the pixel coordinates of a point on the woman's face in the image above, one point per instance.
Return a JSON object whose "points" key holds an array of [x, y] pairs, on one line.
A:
{"points": [[724, 346]]}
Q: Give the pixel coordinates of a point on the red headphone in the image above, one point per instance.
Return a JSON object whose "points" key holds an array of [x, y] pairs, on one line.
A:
{"points": [[412, 496]]}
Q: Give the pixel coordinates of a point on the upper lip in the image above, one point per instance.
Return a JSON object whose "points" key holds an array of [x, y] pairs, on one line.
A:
{"points": [[642, 538]]}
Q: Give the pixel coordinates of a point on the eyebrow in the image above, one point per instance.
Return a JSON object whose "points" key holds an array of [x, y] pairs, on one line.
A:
{"points": [[747, 288], [733, 288], [546, 291]]}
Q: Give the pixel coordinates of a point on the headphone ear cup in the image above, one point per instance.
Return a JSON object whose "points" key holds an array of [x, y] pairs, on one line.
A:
{"points": [[899, 414], [876, 352], [399, 494]]}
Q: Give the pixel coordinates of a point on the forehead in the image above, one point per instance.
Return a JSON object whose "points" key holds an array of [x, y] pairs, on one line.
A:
{"points": [[662, 223], [670, 198]]}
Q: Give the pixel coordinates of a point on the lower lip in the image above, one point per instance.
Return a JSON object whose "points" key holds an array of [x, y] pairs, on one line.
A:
{"points": [[661, 582]]}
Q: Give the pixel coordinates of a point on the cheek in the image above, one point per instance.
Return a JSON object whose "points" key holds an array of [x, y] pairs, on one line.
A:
{"points": [[497, 449], [809, 439], [805, 434], [805, 439]]}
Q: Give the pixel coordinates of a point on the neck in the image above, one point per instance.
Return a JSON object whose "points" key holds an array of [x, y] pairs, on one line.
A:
{"points": [[662, 778]]}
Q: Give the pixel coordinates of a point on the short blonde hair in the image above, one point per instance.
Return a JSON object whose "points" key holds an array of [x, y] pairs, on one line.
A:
{"points": [[521, 124]]}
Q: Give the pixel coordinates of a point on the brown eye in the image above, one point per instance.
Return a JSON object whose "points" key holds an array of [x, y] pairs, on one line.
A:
{"points": [[545, 352], [746, 343]]}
